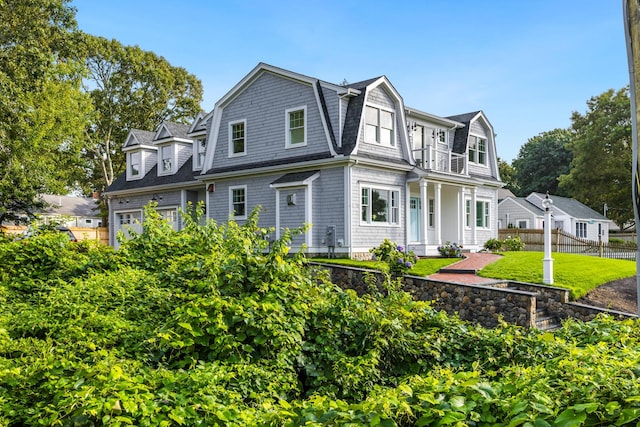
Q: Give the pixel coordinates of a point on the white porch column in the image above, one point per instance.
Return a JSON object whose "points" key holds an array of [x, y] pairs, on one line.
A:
{"points": [[438, 213], [423, 210], [461, 215], [474, 220]]}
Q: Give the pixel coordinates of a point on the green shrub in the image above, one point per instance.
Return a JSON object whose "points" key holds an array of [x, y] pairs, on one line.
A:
{"points": [[450, 250], [399, 260], [493, 245], [219, 328], [513, 244]]}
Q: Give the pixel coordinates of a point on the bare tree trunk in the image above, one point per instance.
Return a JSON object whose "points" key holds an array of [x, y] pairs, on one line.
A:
{"points": [[631, 10]]}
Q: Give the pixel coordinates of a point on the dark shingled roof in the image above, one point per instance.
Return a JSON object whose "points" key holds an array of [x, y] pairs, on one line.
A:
{"points": [[462, 135], [186, 174], [268, 163], [144, 137], [177, 130], [353, 116]]}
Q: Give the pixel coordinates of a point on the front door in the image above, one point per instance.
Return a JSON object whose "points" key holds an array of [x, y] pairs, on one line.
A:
{"points": [[415, 209]]}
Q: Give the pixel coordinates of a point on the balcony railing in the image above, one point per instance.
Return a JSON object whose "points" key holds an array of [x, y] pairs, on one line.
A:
{"points": [[432, 159]]}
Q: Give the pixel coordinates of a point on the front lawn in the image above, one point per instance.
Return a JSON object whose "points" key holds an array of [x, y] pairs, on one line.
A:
{"points": [[578, 273]]}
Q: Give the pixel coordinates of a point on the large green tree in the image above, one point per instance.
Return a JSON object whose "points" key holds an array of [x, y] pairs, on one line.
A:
{"points": [[601, 145], [541, 161], [42, 107], [130, 88], [508, 176]]}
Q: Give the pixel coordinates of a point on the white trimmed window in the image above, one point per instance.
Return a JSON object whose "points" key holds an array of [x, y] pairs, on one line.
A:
{"points": [[467, 213], [296, 129], [238, 202], [581, 229], [135, 163], [379, 126], [199, 146], [431, 213], [482, 214], [166, 159], [237, 138], [379, 206], [477, 150]]}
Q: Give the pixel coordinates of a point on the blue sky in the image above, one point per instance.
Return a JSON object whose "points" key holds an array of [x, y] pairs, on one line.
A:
{"points": [[528, 64]]}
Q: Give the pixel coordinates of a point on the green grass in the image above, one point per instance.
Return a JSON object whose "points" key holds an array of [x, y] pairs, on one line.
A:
{"points": [[424, 266], [578, 273]]}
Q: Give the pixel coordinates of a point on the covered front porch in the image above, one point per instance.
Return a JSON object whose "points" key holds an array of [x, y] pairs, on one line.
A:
{"points": [[440, 212]]}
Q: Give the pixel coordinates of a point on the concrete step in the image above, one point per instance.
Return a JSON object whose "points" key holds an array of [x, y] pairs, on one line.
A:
{"points": [[546, 322]]}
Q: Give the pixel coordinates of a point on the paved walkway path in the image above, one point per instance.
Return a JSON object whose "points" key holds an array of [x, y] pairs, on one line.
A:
{"points": [[464, 271]]}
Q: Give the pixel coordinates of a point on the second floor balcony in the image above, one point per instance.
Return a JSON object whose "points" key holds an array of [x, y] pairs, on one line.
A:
{"points": [[438, 160]]}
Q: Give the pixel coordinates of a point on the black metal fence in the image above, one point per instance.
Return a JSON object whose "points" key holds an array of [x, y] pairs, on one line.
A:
{"points": [[564, 242]]}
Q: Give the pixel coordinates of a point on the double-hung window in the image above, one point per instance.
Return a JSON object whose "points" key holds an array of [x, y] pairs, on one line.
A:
{"points": [[431, 213], [238, 201], [379, 126], [467, 213], [380, 206], [581, 230], [166, 155], [134, 164], [199, 154], [296, 129], [482, 214], [237, 138], [477, 150]]}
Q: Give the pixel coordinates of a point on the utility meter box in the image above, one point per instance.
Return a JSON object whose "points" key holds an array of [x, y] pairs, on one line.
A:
{"points": [[331, 235]]}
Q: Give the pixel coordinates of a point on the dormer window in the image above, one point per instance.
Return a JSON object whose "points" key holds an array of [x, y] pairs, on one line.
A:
{"points": [[166, 163], [134, 164], [237, 142], [477, 150], [200, 147], [296, 130], [379, 126]]}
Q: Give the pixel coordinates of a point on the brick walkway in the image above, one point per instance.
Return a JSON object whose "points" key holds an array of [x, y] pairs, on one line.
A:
{"points": [[464, 271]]}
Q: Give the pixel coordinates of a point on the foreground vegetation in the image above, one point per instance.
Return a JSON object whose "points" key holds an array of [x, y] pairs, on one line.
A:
{"points": [[204, 327]]}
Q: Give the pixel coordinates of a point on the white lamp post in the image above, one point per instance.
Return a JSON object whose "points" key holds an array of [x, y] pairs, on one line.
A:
{"points": [[547, 261]]}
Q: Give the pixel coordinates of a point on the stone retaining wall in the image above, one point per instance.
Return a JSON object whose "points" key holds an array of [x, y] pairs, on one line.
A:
{"points": [[483, 305], [514, 302]]}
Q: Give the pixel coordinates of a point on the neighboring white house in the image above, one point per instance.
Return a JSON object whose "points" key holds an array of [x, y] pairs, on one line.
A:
{"points": [[71, 211], [351, 160], [567, 214]]}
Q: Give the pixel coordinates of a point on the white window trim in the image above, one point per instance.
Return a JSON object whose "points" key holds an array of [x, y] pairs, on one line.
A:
{"points": [[393, 121], [488, 224], [172, 149], [288, 143], [140, 175], [476, 138], [389, 188], [197, 164], [243, 153], [468, 214], [246, 203]]}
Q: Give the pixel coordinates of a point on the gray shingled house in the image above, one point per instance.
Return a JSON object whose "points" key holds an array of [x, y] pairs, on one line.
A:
{"points": [[350, 160], [567, 214]]}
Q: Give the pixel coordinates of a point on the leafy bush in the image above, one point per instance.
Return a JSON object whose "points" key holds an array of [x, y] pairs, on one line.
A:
{"points": [[493, 245], [513, 244], [399, 260], [450, 250], [219, 328]]}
